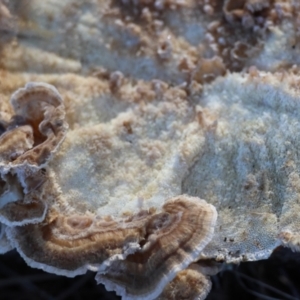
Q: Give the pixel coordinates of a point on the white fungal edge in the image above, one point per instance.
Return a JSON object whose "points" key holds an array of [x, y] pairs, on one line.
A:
{"points": [[30, 86], [121, 291], [128, 249]]}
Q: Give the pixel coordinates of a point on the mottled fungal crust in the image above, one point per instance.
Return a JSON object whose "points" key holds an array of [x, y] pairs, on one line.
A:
{"points": [[241, 10]]}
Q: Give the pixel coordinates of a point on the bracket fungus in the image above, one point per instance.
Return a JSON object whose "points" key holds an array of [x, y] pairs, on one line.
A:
{"points": [[107, 170], [136, 256], [173, 240]]}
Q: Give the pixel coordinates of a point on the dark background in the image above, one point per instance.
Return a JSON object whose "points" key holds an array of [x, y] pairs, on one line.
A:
{"points": [[275, 278]]}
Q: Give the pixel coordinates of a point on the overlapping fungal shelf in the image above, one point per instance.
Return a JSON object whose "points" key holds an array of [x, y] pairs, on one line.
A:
{"points": [[148, 141]]}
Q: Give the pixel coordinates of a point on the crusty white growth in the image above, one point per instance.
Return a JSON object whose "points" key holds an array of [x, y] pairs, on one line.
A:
{"points": [[279, 50], [248, 168], [164, 46], [140, 157]]}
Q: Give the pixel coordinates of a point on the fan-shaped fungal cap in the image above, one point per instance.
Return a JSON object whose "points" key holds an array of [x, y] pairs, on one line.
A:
{"points": [[173, 239], [156, 244], [188, 284]]}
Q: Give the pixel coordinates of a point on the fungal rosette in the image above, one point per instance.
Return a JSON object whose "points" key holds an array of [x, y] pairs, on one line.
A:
{"points": [[167, 103]]}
